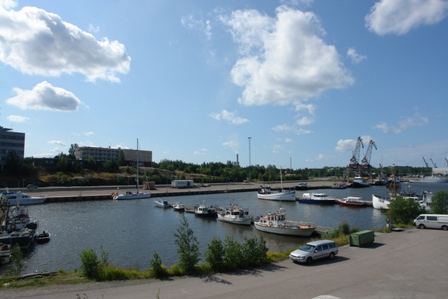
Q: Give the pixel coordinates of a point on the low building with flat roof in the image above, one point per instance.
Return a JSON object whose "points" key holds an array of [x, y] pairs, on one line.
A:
{"points": [[11, 142]]}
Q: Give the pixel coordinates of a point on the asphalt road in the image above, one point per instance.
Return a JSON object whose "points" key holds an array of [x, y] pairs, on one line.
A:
{"points": [[406, 264]]}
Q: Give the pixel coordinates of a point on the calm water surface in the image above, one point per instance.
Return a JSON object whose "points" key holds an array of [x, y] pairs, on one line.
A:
{"points": [[131, 231]]}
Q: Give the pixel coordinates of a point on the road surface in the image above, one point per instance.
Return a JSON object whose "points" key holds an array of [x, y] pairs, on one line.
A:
{"points": [[406, 264]]}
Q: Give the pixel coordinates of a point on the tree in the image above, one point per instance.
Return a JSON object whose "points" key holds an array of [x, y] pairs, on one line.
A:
{"points": [[71, 151], [439, 202], [188, 246], [404, 210]]}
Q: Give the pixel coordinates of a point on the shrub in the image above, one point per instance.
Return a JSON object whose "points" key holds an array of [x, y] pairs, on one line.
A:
{"points": [[90, 265], [214, 255], [233, 256], [158, 270], [255, 251], [17, 264]]}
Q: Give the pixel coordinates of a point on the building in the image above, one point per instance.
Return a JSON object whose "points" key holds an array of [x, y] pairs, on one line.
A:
{"points": [[11, 142], [100, 154]]}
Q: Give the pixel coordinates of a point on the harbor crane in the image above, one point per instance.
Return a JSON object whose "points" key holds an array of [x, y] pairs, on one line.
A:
{"points": [[365, 163], [354, 161], [426, 163], [446, 162], [433, 164]]}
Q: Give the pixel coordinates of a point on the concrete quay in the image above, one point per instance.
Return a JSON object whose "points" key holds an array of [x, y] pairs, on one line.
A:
{"points": [[87, 193]]}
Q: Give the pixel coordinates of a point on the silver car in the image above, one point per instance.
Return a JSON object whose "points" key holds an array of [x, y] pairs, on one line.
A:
{"points": [[314, 250]]}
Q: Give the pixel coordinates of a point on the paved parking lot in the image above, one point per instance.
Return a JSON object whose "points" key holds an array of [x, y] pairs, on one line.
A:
{"points": [[407, 264]]}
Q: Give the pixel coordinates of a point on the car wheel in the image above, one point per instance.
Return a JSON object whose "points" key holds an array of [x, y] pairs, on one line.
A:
{"points": [[444, 227], [331, 255], [309, 260], [421, 226]]}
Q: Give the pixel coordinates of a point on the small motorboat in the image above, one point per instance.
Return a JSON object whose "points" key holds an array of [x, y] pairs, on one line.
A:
{"points": [[178, 206], [43, 237], [162, 204]]}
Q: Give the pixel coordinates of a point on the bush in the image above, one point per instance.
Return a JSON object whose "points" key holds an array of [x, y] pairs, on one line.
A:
{"points": [[255, 251], [91, 265], [233, 255], [158, 270], [17, 264], [214, 255]]}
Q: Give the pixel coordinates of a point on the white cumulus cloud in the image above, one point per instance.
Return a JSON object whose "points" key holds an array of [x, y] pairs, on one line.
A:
{"points": [[230, 117], [284, 60], [400, 16], [35, 41], [17, 118], [44, 96]]}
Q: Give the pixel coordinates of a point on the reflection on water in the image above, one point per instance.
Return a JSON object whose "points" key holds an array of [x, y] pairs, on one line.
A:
{"points": [[131, 231]]}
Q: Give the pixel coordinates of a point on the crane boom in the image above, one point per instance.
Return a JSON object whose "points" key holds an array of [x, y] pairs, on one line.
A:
{"points": [[354, 161], [426, 163], [433, 164], [366, 160]]}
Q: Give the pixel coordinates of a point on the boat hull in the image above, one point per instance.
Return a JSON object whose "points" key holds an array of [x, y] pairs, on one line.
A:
{"points": [[132, 196], [317, 201], [235, 220], [292, 230], [279, 196], [380, 203]]}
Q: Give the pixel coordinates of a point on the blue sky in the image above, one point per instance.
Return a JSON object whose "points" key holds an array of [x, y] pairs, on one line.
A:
{"points": [[192, 80]]}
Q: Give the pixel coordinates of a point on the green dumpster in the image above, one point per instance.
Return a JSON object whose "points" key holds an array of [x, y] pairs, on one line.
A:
{"points": [[361, 238]]}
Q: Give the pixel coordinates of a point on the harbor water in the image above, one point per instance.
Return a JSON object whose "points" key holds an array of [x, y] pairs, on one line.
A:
{"points": [[131, 231]]}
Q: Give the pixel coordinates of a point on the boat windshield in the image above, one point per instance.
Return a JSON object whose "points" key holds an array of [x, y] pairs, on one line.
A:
{"points": [[307, 248]]}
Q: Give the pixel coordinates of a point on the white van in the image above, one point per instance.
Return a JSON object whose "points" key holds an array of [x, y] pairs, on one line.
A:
{"points": [[431, 221]]}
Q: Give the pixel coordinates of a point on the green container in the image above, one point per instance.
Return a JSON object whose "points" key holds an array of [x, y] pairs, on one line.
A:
{"points": [[361, 238]]}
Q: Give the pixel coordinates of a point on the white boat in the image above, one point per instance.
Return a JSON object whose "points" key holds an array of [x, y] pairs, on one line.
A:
{"points": [[276, 223], [162, 204], [431, 179], [129, 194], [23, 199], [17, 218], [380, 202], [235, 215], [205, 212], [317, 198], [178, 206], [265, 192], [358, 182]]}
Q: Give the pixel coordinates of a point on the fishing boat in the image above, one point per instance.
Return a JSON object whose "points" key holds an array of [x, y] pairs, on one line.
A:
{"points": [[431, 179], [205, 212], [23, 199], [265, 192], [276, 223], [5, 253], [129, 194], [316, 198], [162, 204], [17, 218], [358, 182], [353, 201], [235, 215], [302, 186]]}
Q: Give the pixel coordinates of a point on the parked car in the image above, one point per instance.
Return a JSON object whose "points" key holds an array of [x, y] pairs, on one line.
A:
{"points": [[314, 250], [31, 186], [431, 221]]}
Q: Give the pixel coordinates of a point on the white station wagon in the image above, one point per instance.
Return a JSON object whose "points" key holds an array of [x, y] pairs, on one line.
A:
{"points": [[314, 250]]}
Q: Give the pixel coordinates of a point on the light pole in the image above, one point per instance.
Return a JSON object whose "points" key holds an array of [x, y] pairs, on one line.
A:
{"points": [[250, 179]]}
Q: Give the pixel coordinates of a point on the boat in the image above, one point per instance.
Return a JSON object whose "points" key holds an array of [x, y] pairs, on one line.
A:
{"points": [[431, 179], [235, 215], [205, 212], [17, 218], [358, 182], [316, 198], [339, 185], [353, 201], [18, 197], [129, 194], [43, 237], [276, 223], [380, 202], [25, 238], [302, 186], [162, 204], [178, 206], [265, 192]]}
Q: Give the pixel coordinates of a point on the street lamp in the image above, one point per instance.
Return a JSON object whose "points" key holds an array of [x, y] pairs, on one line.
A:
{"points": [[250, 179]]}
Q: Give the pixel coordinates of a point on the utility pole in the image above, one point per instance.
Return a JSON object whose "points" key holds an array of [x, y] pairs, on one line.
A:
{"points": [[250, 179]]}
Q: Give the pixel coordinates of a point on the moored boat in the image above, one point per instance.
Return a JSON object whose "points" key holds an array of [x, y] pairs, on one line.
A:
{"points": [[205, 212], [235, 215], [162, 204], [265, 192], [302, 186], [358, 182], [178, 206], [316, 198], [5, 253], [23, 199], [43, 237], [353, 201], [380, 202], [276, 223]]}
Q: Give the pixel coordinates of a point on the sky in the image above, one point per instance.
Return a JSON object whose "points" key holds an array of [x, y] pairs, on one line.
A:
{"points": [[284, 83]]}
